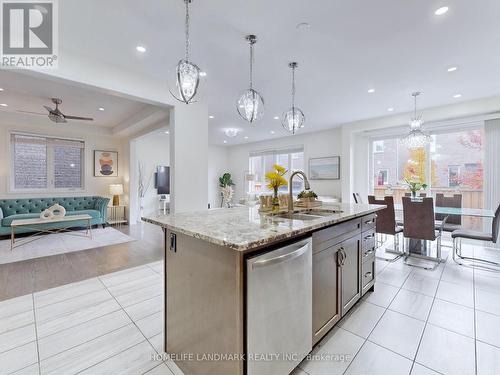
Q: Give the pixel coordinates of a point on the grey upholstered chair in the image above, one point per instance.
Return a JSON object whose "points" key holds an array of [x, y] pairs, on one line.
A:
{"points": [[419, 225], [357, 198], [459, 234], [453, 222], [386, 224]]}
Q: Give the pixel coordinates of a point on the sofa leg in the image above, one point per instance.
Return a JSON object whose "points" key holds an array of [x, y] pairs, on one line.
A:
{"points": [[104, 225]]}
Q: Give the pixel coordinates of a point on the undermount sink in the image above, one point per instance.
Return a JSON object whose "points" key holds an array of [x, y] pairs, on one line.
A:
{"points": [[308, 215], [298, 216], [322, 212]]}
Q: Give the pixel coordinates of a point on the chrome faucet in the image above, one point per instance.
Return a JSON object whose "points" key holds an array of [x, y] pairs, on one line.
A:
{"points": [[290, 192]]}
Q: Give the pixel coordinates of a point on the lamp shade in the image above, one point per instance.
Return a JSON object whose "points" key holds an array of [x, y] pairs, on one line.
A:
{"points": [[116, 189]]}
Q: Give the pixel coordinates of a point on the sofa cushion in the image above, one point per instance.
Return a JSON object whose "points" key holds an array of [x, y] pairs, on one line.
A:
{"points": [[94, 214]]}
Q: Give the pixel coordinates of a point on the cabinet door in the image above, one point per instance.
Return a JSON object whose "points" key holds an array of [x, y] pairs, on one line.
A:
{"points": [[350, 273], [326, 301]]}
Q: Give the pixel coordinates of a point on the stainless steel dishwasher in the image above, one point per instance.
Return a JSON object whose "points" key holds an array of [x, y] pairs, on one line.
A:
{"points": [[279, 309]]}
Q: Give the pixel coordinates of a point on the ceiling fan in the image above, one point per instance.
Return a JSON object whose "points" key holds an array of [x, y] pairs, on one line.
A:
{"points": [[56, 115]]}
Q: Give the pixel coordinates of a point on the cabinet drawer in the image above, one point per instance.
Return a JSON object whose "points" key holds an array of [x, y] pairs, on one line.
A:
{"points": [[368, 240], [330, 236], [367, 254], [367, 274], [368, 222]]}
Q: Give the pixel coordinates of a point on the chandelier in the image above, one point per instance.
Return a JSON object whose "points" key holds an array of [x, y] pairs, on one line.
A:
{"points": [[416, 138], [250, 105], [187, 73], [294, 118]]}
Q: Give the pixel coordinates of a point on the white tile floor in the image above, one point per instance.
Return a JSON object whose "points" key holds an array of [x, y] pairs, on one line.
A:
{"points": [[416, 322]]}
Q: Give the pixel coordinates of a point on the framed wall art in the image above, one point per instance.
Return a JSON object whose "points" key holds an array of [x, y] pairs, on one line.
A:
{"points": [[105, 163], [327, 168]]}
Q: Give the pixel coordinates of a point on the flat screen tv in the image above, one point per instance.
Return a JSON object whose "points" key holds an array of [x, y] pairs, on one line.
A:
{"points": [[162, 180]]}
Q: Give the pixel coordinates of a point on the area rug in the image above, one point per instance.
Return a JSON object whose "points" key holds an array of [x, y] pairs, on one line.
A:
{"points": [[53, 244]]}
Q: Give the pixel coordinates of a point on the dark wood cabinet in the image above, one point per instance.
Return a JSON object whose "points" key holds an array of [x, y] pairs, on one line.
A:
{"points": [[343, 270]]}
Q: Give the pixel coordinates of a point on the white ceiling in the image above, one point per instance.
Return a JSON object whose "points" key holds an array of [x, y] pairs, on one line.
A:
{"points": [[395, 47], [23, 92]]}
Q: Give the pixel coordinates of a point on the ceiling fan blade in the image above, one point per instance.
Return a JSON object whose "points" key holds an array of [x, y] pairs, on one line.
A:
{"points": [[31, 113], [78, 118], [48, 108]]}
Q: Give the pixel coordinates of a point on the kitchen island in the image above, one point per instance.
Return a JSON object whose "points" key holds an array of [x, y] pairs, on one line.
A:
{"points": [[250, 293]]}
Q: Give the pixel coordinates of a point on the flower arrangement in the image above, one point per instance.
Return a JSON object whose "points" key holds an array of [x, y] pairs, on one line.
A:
{"points": [[307, 195], [415, 186], [275, 179]]}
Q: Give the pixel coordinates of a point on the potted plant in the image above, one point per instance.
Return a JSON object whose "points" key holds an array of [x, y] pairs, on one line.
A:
{"points": [[226, 184], [307, 196], [415, 186], [275, 180]]}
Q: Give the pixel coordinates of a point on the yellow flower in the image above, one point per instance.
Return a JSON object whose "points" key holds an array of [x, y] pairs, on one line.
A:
{"points": [[279, 169], [275, 180]]}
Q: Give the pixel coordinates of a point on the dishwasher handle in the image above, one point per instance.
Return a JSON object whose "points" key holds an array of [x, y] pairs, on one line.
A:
{"points": [[284, 257]]}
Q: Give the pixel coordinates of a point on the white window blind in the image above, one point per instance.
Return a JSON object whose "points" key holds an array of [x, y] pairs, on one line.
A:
{"points": [[45, 163]]}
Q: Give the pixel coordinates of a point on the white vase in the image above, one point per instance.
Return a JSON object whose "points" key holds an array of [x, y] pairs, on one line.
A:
{"points": [[58, 210]]}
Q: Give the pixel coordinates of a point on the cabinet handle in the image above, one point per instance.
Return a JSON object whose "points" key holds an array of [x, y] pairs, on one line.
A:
{"points": [[369, 236], [368, 274], [173, 242], [341, 256], [370, 221], [368, 253]]}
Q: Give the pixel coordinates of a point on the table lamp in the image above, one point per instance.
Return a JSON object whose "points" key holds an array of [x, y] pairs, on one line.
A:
{"points": [[116, 190]]}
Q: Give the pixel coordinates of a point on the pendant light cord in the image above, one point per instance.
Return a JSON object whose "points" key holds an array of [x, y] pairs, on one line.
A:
{"points": [[293, 87], [187, 29], [251, 64]]}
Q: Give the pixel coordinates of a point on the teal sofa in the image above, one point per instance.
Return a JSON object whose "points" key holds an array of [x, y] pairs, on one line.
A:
{"points": [[13, 209]]}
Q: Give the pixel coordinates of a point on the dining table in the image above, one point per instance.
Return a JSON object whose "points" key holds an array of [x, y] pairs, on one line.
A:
{"points": [[462, 211]]}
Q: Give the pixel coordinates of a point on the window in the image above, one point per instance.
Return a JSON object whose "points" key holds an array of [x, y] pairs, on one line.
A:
{"points": [[378, 146], [262, 162], [44, 163], [382, 177], [453, 175]]}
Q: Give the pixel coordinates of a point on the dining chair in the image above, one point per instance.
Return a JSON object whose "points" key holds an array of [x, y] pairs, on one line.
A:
{"points": [[386, 225], [357, 198], [418, 217], [460, 234], [453, 222]]}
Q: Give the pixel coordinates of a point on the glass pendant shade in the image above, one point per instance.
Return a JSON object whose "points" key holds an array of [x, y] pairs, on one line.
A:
{"points": [[187, 74], [251, 106], [293, 119], [188, 80], [416, 138]]}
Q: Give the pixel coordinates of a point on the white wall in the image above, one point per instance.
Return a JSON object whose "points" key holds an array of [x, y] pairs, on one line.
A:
{"points": [[93, 141], [151, 150], [318, 144], [218, 164]]}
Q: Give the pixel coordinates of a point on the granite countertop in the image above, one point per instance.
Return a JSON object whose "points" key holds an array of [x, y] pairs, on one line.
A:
{"points": [[244, 228]]}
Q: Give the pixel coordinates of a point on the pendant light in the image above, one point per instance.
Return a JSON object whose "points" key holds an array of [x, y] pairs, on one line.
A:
{"points": [[187, 73], [250, 105], [294, 118], [416, 138]]}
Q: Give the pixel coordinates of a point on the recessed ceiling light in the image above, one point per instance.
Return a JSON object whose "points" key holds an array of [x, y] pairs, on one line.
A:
{"points": [[441, 11], [452, 69], [231, 132], [272, 131], [203, 74], [390, 109], [101, 109], [167, 132], [246, 137], [211, 117], [371, 91], [1, 89], [276, 117], [456, 96], [140, 49], [3, 105], [225, 141], [303, 26]]}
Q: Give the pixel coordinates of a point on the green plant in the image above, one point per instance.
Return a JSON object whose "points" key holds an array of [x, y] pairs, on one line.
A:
{"points": [[225, 180], [415, 186], [307, 194]]}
